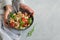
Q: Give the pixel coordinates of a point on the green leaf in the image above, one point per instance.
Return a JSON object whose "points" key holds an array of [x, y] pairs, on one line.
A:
{"points": [[12, 16], [31, 31], [30, 20], [21, 23]]}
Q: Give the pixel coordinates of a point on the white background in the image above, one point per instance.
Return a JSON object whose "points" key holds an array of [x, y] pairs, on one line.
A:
{"points": [[47, 17]]}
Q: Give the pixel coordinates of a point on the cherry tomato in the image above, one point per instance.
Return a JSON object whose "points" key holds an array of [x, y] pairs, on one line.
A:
{"points": [[12, 24], [24, 20]]}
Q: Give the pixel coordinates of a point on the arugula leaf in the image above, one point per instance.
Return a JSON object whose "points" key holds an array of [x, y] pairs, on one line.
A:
{"points": [[21, 22], [12, 16], [30, 20], [30, 32]]}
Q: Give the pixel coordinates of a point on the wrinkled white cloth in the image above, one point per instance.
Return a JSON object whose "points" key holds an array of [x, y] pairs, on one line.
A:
{"points": [[9, 2], [12, 34]]}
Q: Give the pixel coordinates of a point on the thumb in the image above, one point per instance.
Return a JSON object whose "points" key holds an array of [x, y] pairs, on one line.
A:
{"points": [[6, 14]]}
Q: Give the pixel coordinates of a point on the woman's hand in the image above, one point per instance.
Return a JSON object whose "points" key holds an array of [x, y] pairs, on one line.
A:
{"points": [[25, 7], [6, 13]]}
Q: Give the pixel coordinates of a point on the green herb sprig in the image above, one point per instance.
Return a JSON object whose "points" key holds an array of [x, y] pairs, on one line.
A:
{"points": [[31, 31]]}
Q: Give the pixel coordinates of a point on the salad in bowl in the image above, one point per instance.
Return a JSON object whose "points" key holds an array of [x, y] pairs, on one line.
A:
{"points": [[20, 20]]}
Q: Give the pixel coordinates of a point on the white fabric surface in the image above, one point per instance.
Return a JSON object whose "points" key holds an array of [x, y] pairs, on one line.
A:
{"points": [[9, 2]]}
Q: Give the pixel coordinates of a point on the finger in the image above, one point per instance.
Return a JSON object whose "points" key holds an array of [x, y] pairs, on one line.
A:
{"points": [[6, 13], [30, 10], [9, 8], [25, 7], [5, 23]]}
